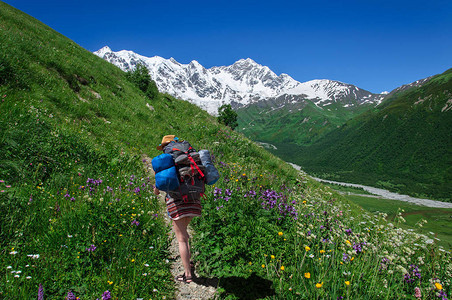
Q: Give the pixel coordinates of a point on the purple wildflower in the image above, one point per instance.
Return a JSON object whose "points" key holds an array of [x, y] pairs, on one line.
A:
{"points": [[135, 222], [91, 248], [70, 296], [414, 272], [443, 295], [106, 295], [40, 292], [358, 247], [217, 192], [348, 231], [344, 256]]}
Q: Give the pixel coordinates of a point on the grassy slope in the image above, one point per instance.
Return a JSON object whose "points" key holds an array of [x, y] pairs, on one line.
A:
{"points": [[59, 139], [68, 116], [404, 146]]}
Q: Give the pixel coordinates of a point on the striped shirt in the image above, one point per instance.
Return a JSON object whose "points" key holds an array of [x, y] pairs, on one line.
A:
{"points": [[178, 208]]}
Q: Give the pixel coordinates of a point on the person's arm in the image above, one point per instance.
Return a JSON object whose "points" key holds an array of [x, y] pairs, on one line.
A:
{"points": [[156, 191]]}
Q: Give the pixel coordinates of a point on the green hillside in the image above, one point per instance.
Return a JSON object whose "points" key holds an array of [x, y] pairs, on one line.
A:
{"points": [[78, 218], [274, 121], [405, 146]]}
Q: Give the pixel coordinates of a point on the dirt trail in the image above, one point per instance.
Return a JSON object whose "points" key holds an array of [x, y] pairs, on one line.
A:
{"points": [[200, 288]]}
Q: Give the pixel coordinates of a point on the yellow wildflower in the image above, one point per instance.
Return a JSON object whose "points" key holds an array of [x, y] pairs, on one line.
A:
{"points": [[282, 268], [307, 248], [318, 285], [110, 282], [438, 286], [280, 233], [272, 256], [347, 282], [322, 251], [351, 259], [348, 242], [307, 275], [263, 266]]}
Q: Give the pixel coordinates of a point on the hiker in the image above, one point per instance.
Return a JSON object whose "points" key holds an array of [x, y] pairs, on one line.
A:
{"points": [[184, 202]]}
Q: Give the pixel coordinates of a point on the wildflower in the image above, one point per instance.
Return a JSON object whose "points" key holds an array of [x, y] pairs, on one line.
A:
{"points": [[282, 268], [280, 233], [347, 282], [322, 251], [106, 295], [318, 285], [438, 286], [263, 266], [13, 252], [307, 275], [417, 292], [91, 248], [40, 292], [272, 256], [70, 296], [109, 282], [307, 248], [348, 242]]}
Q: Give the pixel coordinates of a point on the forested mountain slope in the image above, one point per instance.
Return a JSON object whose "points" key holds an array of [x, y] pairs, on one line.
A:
{"points": [[405, 145]]}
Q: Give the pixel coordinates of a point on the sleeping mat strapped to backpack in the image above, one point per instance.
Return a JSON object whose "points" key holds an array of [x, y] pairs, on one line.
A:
{"points": [[166, 178]]}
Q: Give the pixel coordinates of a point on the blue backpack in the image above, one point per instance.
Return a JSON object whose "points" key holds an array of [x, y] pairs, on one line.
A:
{"points": [[166, 178]]}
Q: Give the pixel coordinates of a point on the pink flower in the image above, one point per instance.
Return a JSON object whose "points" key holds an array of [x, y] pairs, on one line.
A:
{"points": [[417, 292]]}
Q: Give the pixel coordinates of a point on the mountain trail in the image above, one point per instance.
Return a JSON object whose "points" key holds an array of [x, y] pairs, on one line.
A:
{"points": [[200, 288]]}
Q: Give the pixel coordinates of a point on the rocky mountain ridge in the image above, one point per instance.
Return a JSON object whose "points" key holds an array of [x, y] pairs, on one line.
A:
{"points": [[242, 83]]}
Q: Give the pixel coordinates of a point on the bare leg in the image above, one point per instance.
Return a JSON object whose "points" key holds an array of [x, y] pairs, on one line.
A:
{"points": [[180, 228]]}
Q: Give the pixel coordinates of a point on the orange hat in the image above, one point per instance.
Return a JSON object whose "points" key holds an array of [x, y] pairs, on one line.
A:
{"points": [[165, 141]]}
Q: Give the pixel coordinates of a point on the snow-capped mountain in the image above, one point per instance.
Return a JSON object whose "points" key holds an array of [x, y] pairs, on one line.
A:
{"points": [[239, 84]]}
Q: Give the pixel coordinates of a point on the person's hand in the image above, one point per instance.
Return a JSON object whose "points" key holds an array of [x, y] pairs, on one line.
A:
{"points": [[156, 191]]}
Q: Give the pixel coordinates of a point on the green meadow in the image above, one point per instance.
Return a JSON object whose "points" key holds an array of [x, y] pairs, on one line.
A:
{"points": [[78, 218]]}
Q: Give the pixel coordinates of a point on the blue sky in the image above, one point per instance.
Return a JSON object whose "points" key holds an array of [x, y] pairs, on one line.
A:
{"points": [[376, 45]]}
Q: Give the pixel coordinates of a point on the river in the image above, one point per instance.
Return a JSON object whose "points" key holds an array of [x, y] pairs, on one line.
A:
{"points": [[387, 194]]}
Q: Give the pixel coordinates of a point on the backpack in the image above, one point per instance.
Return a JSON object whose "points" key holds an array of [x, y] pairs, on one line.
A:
{"points": [[190, 170]]}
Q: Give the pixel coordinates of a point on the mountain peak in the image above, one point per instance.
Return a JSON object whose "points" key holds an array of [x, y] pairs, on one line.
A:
{"points": [[103, 50], [247, 61]]}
